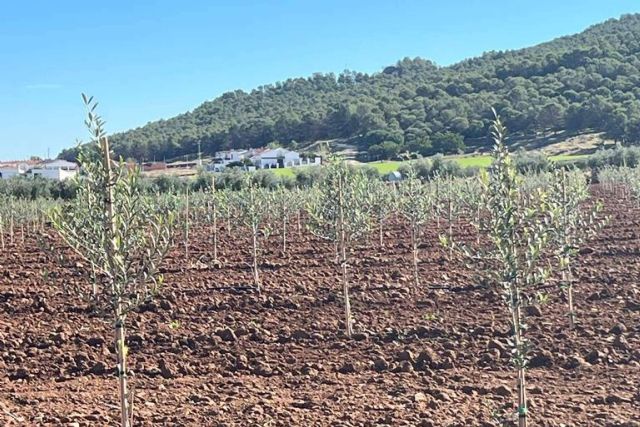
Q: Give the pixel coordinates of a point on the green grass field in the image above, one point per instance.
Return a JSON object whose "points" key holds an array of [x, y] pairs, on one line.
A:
{"points": [[283, 172], [480, 161]]}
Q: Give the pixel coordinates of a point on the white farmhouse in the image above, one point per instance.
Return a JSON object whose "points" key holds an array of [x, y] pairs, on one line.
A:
{"points": [[267, 158], [261, 158], [58, 170], [223, 158]]}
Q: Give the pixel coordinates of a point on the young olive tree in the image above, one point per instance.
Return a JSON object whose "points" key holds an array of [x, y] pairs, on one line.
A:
{"points": [[415, 204], [574, 225], [450, 205], [114, 227], [253, 207], [518, 232], [187, 222], [3, 219], [383, 199], [339, 212], [471, 198], [216, 206], [286, 203]]}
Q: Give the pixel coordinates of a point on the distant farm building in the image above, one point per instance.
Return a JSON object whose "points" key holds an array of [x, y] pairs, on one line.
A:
{"points": [[58, 170], [261, 158], [11, 169]]}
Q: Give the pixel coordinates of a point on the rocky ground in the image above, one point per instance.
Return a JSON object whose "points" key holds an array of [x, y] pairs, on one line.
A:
{"points": [[209, 352]]}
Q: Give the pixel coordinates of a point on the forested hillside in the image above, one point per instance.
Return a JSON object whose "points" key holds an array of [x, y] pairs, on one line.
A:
{"points": [[588, 81]]}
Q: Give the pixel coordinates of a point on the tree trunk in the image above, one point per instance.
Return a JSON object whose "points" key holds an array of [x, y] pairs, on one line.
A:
{"points": [[522, 399], [380, 225], [345, 291], [1, 233], [567, 278], [414, 246], [450, 220], [478, 222], [110, 248], [215, 234], [214, 214], [342, 243], [345, 281], [284, 235], [256, 277], [519, 355], [186, 227], [121, 352]]}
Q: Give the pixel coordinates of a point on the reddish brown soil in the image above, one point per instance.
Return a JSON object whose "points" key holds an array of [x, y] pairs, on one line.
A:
{"points": [[239, 359]]}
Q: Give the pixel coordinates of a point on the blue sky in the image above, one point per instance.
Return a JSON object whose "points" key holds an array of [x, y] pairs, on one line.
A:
{"points": [[146, 60]]}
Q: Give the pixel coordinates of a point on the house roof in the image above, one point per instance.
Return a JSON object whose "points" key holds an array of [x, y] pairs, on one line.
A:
{"points": [[13, 164], [54, 164], [270, 153]]}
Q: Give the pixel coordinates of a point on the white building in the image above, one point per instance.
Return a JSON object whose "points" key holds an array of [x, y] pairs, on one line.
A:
{"points": [[266, 158], [223, 158], [261, 158], [58, 170], [9, 170]]}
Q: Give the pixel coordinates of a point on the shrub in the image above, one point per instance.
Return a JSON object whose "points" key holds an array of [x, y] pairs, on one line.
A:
{"points": [[531, 161]]}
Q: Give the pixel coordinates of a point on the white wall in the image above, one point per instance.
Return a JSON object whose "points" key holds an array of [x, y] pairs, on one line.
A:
{"points": [[9, 172], [55, 174]]}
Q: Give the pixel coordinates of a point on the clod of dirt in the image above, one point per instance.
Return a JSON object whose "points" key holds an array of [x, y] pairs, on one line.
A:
{"points": [[227, 334], [427, 359], [420, 397], [614, 399], [360, 336], [503, 391], [300, 334], [618, 329], [20, 374], [405, 367], [380, 364], [99, 368], [95, 341], [575, 362], [405, 355], [534, 311], [348, 368], [262, 369], [543, 358], [165, 369], [621, 343], [595, 356]]}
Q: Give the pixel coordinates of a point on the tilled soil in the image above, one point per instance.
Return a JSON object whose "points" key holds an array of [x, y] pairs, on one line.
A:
{"points": [[210, 352]]}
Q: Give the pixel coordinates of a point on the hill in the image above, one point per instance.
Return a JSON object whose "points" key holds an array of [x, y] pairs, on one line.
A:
{"points": [[588, 82]]}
